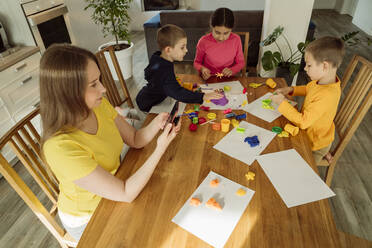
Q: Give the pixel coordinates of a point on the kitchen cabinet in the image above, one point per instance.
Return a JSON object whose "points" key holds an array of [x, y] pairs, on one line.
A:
{"points": [[19, 89]]}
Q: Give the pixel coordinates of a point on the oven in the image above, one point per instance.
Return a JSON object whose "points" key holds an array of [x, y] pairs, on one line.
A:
{"points": [[49, 22]]}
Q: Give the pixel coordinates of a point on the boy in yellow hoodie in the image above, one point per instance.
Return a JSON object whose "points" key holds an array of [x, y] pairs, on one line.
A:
{"points": [[322, 56]]}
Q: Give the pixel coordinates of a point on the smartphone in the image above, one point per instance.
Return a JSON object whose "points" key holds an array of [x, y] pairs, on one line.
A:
{"points": [[176, 120], [173, 114]]}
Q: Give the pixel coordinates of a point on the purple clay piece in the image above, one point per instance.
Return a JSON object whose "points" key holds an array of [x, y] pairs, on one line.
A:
{"points": [[222, 101]]}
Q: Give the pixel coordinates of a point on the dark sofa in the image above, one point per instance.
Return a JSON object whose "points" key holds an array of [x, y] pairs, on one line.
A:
{"points": [[196, 24]]}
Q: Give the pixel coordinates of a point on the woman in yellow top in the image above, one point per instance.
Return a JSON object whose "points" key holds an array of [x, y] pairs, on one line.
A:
{"points": [[83, 137]]}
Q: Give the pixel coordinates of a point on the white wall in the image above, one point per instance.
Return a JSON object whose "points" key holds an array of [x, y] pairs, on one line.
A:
{"points": [[362, 16], [283, 13], [346, 6], [87, 34], [137, 16], [231, 4], [324, 4], [15, 23]]}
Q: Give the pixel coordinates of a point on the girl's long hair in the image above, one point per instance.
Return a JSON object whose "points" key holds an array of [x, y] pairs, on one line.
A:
{"points": [[222, 17], [63, 83]]}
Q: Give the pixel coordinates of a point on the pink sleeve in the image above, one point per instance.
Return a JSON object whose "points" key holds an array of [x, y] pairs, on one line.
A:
{"points": [[239, 58], [199, 56]]}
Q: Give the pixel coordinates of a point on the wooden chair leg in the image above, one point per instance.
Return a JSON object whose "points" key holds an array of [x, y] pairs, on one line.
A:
{"points": [[329, 174]]}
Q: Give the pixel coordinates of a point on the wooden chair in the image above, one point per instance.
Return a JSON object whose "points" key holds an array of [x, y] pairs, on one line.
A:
{"points": [[245, 50], [355, 105], [25, 142], [108, 81]]}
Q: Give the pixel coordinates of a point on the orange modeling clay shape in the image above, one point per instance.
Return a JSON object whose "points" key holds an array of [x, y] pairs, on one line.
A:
{"points": [[212, 203], [195, 202], [214, 183]]}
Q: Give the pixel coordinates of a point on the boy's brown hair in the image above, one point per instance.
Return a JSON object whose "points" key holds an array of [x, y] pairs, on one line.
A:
{"points": [[169, 35], [329, 49]]}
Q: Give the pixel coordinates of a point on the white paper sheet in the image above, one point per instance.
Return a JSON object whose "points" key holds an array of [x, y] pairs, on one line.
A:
{"points": [[212, 226], [233, 143], [294, 180], [234, 95], [255, 108], [166, 106]]}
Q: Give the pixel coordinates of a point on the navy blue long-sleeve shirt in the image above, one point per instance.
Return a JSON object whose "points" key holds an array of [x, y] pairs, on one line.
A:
{"points": [[162, 82]]}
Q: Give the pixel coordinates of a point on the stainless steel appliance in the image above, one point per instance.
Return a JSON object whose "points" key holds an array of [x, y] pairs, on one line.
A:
{"points": [[3, 39], [49, 22]]}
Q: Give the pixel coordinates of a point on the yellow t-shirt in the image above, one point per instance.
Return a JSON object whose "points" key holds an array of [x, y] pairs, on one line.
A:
{"points": [[75, 155], [318, 112]]}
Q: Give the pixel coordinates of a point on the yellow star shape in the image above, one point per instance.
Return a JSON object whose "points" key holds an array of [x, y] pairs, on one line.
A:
{"points": [[250, 176], [219, 75]]}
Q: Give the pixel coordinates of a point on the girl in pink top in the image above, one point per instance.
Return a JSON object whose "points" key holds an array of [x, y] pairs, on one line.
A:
{"points": [[221, 50]]}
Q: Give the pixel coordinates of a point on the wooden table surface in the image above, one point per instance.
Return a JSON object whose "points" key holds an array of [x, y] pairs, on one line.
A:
{"points": [[266, 222]]}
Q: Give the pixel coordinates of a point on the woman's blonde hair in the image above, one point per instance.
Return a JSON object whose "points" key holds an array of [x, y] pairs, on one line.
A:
{"points": [[63, 82]]}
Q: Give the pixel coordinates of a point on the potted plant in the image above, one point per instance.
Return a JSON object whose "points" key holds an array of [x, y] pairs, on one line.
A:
{"points": [[114, 18], [289, 66]]}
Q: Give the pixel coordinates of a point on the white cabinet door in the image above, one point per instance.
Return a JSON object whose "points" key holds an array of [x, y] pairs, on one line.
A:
{"points": [[20, 93]]}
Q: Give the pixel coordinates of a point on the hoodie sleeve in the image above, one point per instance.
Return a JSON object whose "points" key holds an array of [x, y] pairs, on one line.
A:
{"points": [[172, 88]]}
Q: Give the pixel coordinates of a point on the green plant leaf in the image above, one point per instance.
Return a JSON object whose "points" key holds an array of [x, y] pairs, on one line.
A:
{"points": [[270, 60], [273, 36], [302, 46], [112, 15], [294, 68]]}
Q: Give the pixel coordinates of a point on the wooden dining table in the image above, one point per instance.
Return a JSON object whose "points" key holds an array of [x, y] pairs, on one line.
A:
{"points": [[266, 222]]}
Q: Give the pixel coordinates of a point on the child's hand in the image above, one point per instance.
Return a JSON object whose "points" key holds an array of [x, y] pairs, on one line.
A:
{"points": [[167, 136], [206, 73], [227, 72], [161, 120], [284, 91], [278, 99], [212, 95]]}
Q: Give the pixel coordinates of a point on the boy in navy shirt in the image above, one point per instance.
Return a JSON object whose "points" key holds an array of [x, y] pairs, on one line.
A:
{"points": [[160, 75]]}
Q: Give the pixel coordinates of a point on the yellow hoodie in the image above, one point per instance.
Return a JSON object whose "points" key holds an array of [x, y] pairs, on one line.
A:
{"points": [[318, 111]]}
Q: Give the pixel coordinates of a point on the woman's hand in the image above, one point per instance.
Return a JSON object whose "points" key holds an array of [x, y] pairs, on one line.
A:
{"points": [[284, 91], [161, 120], [167, 136], [278, 98], [212, 95], [227, 72], [205, 72]]}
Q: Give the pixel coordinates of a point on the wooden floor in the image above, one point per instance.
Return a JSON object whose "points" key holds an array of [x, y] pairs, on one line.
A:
{"points": [[352, 205]]}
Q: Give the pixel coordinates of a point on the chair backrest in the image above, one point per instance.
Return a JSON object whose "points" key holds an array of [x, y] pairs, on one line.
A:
{"points": [[245, 50], [357, 99], [354, 106], [108, 81], [25, 143]]}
